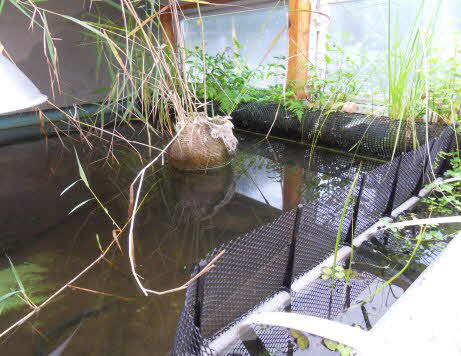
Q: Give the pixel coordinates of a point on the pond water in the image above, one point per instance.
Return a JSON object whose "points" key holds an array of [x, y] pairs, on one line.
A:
{"points": [[183, 216]]}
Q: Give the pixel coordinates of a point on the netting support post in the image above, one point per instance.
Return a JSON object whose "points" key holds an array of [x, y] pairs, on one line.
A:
{"points": [[287, 280], [355, 212], [446, 161], [420, 183], [390, 203], [199, 297]]}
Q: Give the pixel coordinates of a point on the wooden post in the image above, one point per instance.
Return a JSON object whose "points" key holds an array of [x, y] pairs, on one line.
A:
{"points": [[298, 49], [292, 182], [167, 29], [299, 20]]}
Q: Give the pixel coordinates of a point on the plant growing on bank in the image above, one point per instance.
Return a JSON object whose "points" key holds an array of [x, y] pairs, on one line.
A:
{"points": [[407, 66], [446, 199], [337, 82], [147, 79], [229, 81], [445, 86]]}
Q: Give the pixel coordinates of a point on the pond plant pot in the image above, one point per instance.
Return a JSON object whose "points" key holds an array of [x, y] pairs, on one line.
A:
{"points": [[203, 143]]}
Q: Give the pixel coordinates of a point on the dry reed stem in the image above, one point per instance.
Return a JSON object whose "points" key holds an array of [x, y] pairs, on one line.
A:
{"points": [[100, 293], [133, 207], [206, 269], [58, 292]]}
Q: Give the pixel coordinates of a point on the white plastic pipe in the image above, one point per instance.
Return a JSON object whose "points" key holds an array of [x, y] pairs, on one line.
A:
{"points": [[342, 333], [17, 92]]}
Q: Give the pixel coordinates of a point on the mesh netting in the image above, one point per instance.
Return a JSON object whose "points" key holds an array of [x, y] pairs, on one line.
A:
{"points": [[375, 135], [259, 265]]}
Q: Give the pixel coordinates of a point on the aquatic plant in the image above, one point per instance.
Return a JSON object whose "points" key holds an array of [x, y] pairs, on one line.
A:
{"points": [[334, 346], [347, 203], [21, 285]]}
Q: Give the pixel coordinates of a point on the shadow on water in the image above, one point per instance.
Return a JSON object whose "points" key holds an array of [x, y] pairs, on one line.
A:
{"points": [[183, 217]]}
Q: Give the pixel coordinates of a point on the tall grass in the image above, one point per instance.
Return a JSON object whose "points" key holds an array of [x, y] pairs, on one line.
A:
{"points": [[147, 75], [406, 59]]}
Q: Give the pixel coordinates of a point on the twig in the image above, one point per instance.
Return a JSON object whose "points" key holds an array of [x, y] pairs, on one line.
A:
{"points": [[98, 292], [207, 268], [132, 210]]}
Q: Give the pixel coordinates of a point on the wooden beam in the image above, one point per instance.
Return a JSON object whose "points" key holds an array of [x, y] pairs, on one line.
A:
{"points": [[299, 21]]}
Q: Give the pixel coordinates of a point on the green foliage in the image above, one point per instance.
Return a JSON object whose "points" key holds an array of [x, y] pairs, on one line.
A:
{"points": [[222, 78], [447, 199], [228, 80], [445, 84], [339, 272], [338, 83]]}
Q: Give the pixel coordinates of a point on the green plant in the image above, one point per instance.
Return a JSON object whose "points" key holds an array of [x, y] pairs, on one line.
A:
{"points": [[445, 84], [447, 197], [339, 273], [347, 202], [407, 66], [21, 285], [343, 350], [228, 80], [335, 84], [301, 340], [223, 78]]}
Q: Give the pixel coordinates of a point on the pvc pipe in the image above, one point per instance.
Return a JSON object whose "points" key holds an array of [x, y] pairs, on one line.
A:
{"points": [[332, 330], [276, 303]]}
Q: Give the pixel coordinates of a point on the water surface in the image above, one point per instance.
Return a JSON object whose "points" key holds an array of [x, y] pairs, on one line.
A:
{"points": [[183, 216]]}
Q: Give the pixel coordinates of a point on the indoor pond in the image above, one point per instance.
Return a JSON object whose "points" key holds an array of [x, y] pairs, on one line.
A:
{"points": [[49, 237]]}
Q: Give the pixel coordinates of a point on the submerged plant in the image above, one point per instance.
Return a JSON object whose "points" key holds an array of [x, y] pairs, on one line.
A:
{"points": [[301, 340], [21, 285], [334, 346]]}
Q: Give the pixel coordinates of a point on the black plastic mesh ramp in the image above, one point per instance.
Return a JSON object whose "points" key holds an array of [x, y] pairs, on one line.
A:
{"points": [[188, 339], [262, 265], [250, 271]]}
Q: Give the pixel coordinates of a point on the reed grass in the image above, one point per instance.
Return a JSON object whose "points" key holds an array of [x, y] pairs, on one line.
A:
{"points": [[406, 77]]}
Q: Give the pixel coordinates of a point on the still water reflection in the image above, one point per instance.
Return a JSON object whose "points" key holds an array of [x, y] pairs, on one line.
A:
{"points": [[182, 218]]}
